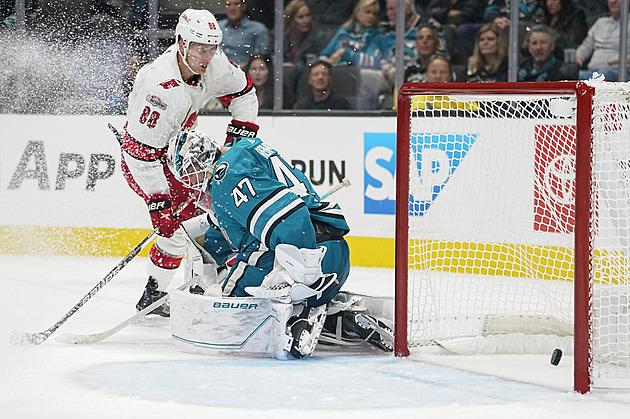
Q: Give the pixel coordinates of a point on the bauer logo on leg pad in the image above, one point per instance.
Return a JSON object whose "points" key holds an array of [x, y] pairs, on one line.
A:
{"points": [[234, 305]]}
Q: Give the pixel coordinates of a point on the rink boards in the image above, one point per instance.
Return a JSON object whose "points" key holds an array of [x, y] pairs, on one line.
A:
{"points": [[62, 191]]}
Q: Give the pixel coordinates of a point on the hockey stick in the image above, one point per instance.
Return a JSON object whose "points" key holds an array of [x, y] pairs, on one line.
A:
{"points": [[344, 183], [19, 337], [97, 337], [117, 134]]}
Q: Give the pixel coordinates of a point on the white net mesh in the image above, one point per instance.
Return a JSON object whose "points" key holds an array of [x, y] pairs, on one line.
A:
{"points": [[491, 220]]}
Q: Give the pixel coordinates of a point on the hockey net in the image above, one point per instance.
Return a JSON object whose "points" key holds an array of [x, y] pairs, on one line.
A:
{"points": [[494, 253]]}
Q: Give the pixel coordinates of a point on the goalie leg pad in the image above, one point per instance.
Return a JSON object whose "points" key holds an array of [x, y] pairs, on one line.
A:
{"points": [[304, 330]]}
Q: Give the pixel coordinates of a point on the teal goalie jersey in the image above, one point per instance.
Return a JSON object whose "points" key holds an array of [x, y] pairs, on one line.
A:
{"points": [[259, 197]]}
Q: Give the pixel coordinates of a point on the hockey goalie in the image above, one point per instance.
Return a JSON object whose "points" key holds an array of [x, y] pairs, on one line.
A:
{"points": [[282, 292]]}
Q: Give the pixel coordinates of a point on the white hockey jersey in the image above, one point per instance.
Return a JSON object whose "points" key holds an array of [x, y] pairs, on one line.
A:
{"points": [[161, 104]]}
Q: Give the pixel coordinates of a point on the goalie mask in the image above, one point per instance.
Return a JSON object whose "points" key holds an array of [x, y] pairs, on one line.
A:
{"points": [[191, 157]]}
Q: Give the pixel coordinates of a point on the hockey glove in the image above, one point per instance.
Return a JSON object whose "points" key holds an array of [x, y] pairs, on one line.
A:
{"points": [[240, 129], [162, 215]]}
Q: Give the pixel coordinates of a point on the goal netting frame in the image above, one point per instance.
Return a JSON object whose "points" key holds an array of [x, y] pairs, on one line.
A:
{"points": [[571, 103]]}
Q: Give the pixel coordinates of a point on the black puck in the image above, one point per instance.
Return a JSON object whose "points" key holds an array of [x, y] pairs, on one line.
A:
{"points": [[556, 356]]}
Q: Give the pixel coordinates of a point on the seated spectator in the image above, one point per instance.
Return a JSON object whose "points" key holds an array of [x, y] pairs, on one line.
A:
{"points": [[600, 48], [301, 43], [242, 37], [330, 15], [320, 79], [456, 12], [489, 62], [359, 42], [497, 12], [542, 65], [412, 24], [427, 45], [260, 69], [439, 69], [568, 22]]}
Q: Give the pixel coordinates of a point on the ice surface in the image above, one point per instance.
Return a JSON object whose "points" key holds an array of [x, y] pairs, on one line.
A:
{"points": [[137, 372]]}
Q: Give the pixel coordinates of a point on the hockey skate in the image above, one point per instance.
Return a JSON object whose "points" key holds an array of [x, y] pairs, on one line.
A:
{"points": [[151, 295], [355, 326], [304, 330]]}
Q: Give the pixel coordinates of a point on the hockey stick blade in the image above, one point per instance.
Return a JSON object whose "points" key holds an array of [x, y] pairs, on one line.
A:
{"points": [[77, 339], [18, 337], [25, 338]]}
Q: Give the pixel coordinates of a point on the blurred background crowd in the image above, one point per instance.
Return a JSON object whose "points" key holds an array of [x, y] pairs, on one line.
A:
{"points": [[71, 56]]}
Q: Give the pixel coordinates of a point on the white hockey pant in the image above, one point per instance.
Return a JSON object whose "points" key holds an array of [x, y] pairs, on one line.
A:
{"points": [[172, 247]]}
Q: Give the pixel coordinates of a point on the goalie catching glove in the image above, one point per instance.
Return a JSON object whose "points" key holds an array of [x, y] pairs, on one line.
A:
{"points": [[238, 128], [296, 276], [161, 214]]}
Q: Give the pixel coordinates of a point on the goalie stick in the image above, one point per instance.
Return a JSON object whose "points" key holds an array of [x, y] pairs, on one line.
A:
{"points": [[344, 183], [19, 337], [97, 337]]}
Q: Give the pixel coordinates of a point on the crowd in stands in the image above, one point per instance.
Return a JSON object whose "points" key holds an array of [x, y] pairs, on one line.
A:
{"points": [[340, 54]]}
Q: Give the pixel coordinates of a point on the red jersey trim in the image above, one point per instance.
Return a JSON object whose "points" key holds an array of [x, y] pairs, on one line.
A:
{"points": [[141, 151], [248, 88]]}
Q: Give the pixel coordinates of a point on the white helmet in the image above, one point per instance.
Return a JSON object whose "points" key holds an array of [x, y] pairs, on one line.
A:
{"points": [[198, 26], [191, 156]]}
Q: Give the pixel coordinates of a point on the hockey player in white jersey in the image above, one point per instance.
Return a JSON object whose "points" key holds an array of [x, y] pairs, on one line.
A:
{"points": [[166, 99], [290, 245]]}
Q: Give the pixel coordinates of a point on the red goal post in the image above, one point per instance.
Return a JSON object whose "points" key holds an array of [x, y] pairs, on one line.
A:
{"points": [[489, 244]]}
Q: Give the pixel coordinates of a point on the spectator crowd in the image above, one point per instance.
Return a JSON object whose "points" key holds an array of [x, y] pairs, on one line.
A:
{"points": [[340, 54]]}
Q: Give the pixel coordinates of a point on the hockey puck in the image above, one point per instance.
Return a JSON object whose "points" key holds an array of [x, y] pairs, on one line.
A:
{"points": [[556, 356]]}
